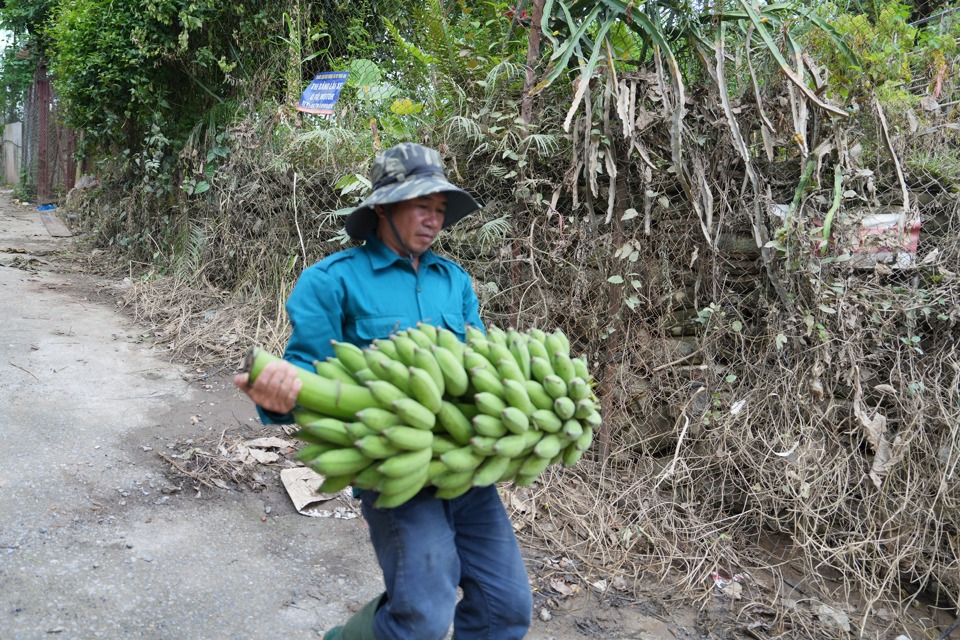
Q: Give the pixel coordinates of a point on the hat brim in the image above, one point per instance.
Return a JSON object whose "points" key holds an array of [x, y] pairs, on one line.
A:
{"points": [[362, 221]]}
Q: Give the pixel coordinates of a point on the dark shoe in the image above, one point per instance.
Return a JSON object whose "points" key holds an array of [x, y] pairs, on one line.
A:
{"points": [[360, 626]]}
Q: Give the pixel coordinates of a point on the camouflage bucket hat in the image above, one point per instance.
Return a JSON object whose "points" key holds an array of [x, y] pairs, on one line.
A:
{"points": [[406, 171]]}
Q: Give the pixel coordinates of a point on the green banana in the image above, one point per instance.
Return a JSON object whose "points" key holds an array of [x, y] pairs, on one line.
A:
{"points": [[581, 367], [350, 355], [424, 359], [511, 471], [414, 414], [490, 426], [555, 386], [359, 430], [428, 330], [555, 343], [489, 404], [408, 438], [484, 445], [325, 430], [496, 335], [510, 446], [571, 430], [473, 332], [434, 411], [402, 484], [537, 350], [546, 420], [462, 459], [387, 347], [449, 340], [549, 446], [454, 374], [441, 444], [377, 419], [422, 339], [475, 360], [457, 425], [479, 346], [405, 348], [424, 390], [365, 375], [499, 352], [329, 397], [393, 500], [515, 394], [585, 440], [369, 478], [584, 408], [563, 366], [593, 420], [436, 467], [385, 393], [521, 354], [486, 381], [468, 409], [531, 438], [377, 447], [578, 388], [334, 484], [514, 420], [490, 471], [538, 395], [398, 374], [340, 462], [454, 492], [311, 451], [406, 463], [533, 465], [571, 456], [509, 369], [333, 370], [377, 362], [453, 479], [525, 479], [540, 368], [564, 407]]}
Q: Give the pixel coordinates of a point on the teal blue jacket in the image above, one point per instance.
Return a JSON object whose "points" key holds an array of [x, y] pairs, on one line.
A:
{"points": [[368, 292]]}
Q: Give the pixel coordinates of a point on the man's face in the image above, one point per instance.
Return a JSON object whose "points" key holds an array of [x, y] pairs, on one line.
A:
{"points": [[418, 221]]}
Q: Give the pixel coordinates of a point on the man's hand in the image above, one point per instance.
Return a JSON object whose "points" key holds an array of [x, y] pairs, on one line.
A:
{"points": [[276, 387]]}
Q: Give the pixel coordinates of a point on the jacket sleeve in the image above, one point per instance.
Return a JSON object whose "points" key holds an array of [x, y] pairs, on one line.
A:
{"points": [[471, 306], [314, 309]]}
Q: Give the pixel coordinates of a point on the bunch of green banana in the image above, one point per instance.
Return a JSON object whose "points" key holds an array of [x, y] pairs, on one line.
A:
{"points": [[424, 409]]}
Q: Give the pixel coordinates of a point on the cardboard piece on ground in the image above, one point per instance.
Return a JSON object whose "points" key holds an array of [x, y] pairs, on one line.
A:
{"points": [[303, 484], [54, 226]]}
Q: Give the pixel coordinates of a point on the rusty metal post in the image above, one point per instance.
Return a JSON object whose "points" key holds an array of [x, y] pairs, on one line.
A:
{"points": [[44, 105]]}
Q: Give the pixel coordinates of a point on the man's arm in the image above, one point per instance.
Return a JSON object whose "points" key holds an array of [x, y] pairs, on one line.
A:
{"points": [[314, 309], [471, 306]]}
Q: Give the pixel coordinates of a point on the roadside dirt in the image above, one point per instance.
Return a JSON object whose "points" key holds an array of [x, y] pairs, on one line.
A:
{"points": [[136, 502]]}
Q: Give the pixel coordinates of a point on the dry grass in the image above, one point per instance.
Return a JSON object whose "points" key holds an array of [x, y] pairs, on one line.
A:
{"points": [[746, 399]]}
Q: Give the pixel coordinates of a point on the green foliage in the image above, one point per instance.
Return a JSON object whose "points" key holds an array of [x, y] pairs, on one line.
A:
{"points": [[883, 45], [124, 67]]}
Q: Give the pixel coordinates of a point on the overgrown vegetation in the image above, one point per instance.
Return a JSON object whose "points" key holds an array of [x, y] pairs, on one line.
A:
{"points": [[690, 197]]}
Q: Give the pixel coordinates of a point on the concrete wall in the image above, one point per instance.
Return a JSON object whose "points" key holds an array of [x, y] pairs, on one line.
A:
{"points": [[12, 143]]}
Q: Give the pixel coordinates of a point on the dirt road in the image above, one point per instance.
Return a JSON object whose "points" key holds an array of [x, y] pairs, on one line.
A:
{"points": [[99, 539]]}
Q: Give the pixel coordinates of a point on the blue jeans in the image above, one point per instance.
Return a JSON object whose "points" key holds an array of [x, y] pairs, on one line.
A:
{"points": [[428, 547]]}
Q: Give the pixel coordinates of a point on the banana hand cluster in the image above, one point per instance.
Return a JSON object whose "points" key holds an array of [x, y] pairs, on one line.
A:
{"points": [[425, 409]]}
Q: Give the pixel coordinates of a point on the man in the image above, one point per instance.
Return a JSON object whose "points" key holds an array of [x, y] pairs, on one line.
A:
{"points": [[427, 547]]}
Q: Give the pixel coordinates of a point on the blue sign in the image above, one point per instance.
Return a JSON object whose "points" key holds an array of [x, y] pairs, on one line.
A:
{"points": [[322, 94]]}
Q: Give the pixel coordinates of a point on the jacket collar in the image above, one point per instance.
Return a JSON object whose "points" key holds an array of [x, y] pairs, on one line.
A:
{"points": [[383, 257]]}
